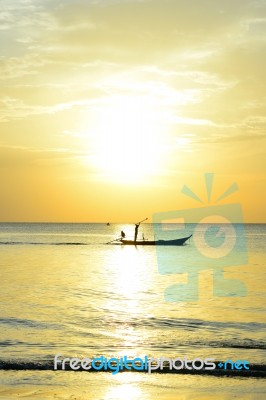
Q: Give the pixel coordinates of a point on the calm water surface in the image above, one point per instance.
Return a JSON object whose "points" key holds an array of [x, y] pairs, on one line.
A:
{"points": [[63, 290]]}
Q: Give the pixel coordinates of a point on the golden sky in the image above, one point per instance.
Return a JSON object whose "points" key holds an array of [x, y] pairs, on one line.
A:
{"points": [[109, 107]]}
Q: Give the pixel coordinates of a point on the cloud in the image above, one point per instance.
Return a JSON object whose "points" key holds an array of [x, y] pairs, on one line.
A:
{"points": [[17, 109], [17, 67], [148, 28], [14, 157], [219, 139], [203, 60], [24, 14]]}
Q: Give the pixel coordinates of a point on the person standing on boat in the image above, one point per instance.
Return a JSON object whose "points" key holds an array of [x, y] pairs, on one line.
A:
{"points": [[136, 231]]}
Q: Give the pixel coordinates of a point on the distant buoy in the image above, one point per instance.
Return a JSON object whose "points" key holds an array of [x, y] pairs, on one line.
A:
{"points": [[108, 224]]}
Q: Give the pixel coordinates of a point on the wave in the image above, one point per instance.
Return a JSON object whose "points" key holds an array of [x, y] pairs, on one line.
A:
{"points": [[203, 324], [27, 323], [187, 324]]}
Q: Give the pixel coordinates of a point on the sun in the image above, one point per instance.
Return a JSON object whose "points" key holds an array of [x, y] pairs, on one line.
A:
{"points": [[127, 140]]}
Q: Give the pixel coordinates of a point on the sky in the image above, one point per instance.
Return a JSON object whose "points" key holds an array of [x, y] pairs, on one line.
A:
{"points": [[109, 107]]}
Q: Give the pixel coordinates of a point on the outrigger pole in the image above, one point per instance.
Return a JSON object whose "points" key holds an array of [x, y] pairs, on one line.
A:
{"points": [[142, 221], [115, 240]]}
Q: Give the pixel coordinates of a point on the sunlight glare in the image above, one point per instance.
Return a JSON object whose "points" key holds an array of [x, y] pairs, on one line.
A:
{"points": [[126, 390], [128, 140]]}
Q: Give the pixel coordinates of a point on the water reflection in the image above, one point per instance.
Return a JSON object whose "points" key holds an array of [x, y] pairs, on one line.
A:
{"points": [[126, 390], [127, 385], [129, 275], [129, 280]]}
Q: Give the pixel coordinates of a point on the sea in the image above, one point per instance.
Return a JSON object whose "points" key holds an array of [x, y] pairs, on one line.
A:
{"points": [[67, 291]]}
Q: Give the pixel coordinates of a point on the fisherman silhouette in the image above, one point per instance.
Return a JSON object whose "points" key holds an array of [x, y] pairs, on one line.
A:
{"points": [[123, 235], [136, 231]]}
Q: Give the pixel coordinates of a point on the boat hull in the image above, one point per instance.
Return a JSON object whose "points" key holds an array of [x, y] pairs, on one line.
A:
{"points": [[174, 242]]}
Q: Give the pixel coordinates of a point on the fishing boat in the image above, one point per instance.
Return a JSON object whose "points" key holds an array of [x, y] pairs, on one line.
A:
{"points": [[144, 242], [174, 242]]}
